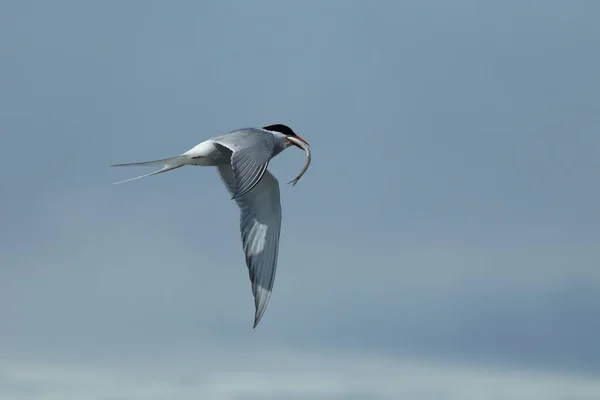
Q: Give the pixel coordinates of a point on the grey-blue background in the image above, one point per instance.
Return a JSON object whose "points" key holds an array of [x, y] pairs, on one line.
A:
{"points": [[450, 215]]}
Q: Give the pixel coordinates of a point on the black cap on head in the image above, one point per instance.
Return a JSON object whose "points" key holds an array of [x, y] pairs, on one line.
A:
{"points": [[284, 129]]}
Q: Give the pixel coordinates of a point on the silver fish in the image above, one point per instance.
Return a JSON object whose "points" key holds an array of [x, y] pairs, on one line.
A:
{"points": [[304, 146]]}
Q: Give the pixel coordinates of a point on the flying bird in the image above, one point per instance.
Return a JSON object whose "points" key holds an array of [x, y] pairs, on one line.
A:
{"points": [[242, 157]]}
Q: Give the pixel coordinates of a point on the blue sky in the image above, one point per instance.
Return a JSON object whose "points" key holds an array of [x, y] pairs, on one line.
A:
{"points": [[443, 244]]}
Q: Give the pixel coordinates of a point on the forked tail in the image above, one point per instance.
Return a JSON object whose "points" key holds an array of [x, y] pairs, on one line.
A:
{"points": [[167, 163]]}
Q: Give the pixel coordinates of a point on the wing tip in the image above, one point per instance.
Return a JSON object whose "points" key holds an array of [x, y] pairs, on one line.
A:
{"points": [[260, 306], [257, 317]]}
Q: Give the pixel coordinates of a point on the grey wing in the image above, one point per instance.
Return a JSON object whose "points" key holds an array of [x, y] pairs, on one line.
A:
{"points": [[260, 225], [252, 150]]}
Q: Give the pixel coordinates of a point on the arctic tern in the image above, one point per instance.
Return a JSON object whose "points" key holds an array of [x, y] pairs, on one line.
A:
{"points": [[242, 157]]}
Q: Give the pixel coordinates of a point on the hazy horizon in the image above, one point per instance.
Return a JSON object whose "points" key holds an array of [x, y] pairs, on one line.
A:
{"points": [[443, 244]]}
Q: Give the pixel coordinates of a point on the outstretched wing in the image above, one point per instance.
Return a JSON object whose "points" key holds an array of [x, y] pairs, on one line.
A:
{"points": [[252, 150], [260, 225]]}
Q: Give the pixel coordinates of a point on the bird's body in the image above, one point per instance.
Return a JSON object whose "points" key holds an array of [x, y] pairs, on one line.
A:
{"points": [[241, 158], [207, 154]]}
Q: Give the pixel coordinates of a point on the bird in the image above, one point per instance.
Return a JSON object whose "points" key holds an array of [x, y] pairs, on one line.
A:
{"points": [[241, 157]]}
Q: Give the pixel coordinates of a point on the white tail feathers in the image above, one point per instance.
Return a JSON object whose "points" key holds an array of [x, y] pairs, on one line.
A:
{"points": [[168, 165]]}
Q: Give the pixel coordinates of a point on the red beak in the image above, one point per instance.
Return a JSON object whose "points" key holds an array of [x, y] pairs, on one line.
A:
{"points": [[296, 144]]}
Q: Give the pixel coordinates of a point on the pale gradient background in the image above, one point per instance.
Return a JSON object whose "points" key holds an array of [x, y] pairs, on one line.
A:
{"points": [[444, 244]]}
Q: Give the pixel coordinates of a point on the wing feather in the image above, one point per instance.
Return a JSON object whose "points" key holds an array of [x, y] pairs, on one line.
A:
{"points": [[260, 226], [252, 150]]}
